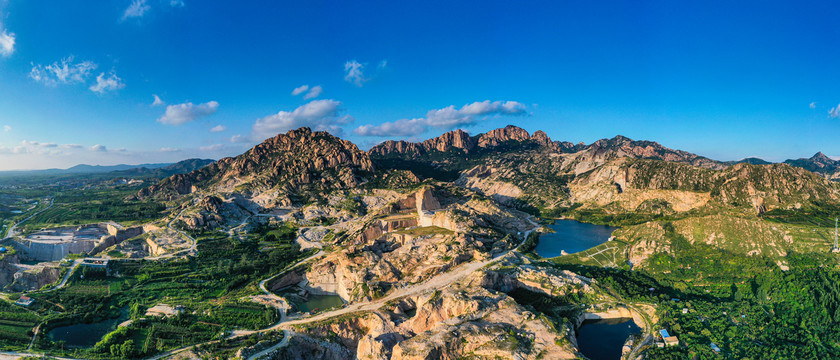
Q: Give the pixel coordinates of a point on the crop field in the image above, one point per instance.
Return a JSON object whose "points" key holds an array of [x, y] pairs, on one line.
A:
{"points": [[16, 324]]}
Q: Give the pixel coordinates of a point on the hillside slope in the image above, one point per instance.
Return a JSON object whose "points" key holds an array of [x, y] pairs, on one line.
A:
{"points": [[287, 168]]}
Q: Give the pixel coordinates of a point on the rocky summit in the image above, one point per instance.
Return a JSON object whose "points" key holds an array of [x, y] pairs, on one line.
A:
{"points": [[298, 163]]}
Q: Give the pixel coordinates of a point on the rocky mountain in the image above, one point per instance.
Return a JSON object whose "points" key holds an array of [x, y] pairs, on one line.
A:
{"points": [[522, 170], [621, 146], [518, 139], [281, 170], [462, 141], [820, 164], [639, 184]]}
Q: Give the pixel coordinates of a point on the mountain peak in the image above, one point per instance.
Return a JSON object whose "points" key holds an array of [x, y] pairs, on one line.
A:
{"points": [[819, 156], [291, 163]]}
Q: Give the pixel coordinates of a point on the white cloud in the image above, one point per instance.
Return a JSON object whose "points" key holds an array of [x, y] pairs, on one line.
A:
{"points": [[402, 127], [158, 101], [138, 8], [97, 147], [300, 90], [321, 115], [7, 43], [446, 118], [354, 73], [313, 93], [218, 128], [72, 146], [63, 71], [176, 3], [214, 147], [110, 83], [812, 105], [359, 73], [239, 139], [183, 113], [834, 112], [169, 149], [37, 148], [7, 128]]}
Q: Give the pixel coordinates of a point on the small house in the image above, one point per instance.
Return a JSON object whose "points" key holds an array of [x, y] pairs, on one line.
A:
{"points": [[24, 301], [714, 347], [671, 341]]}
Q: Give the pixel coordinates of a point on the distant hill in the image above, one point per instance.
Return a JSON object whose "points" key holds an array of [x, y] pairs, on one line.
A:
{"points": [[81, 169], [164, 169], [751, 161], [819, 163], [181, 167]]}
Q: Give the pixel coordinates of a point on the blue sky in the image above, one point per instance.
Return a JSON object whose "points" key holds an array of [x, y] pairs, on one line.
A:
{"points": [[79, 79]]}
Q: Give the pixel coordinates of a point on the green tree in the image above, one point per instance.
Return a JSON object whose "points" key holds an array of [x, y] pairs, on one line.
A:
{"points": [[127, 349]]}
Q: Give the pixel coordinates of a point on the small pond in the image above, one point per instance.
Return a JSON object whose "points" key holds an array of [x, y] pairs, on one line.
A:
{"points": [[319, 303], [603, 339], [84, 335], [572, 236]]}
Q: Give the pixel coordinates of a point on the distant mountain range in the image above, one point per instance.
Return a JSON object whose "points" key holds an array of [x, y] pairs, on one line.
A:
{"points": [[163, 169]]}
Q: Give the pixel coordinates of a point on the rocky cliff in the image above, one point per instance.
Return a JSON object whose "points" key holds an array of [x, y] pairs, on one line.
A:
{"points": [[461, 140]]}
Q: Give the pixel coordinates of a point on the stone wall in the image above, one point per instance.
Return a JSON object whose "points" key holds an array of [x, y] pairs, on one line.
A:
{"points": [[42, 251]]}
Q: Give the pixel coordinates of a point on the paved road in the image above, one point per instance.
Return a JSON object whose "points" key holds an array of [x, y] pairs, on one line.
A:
{"points": [[635, 352], [286, 336], [169, 225], [12, 355], [11, 232], [63, 282]]}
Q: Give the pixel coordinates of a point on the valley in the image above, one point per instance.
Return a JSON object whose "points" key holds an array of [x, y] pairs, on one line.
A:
{"points": [[505, 244]]}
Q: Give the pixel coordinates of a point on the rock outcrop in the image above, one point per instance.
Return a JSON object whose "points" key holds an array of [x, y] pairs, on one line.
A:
{"points": [[461, 140], [15, 277], [298, 163]]}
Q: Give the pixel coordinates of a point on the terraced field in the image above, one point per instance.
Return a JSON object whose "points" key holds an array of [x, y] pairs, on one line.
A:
{"points": [[16, 324]]}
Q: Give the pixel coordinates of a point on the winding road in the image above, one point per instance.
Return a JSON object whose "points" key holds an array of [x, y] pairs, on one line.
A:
{"points": [[11, 232], [286, 336]]}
